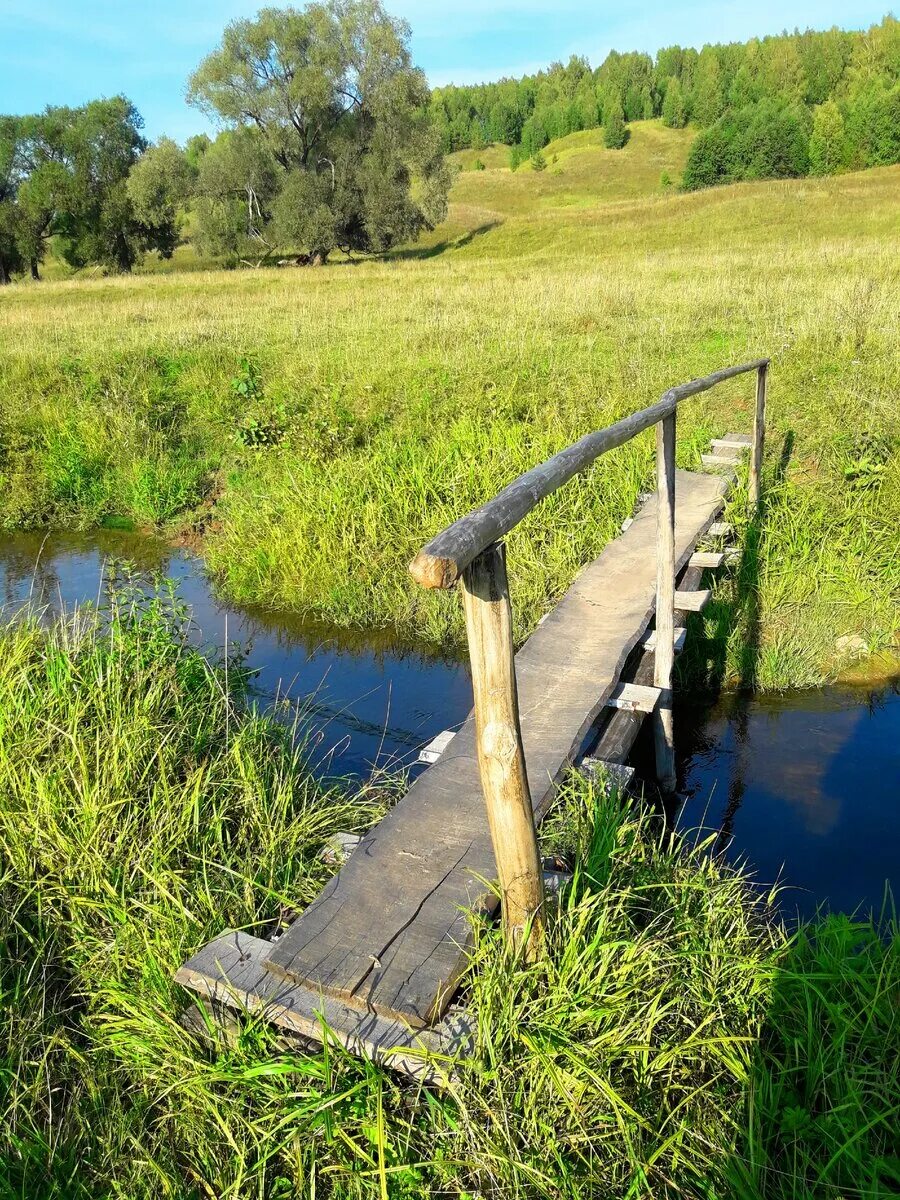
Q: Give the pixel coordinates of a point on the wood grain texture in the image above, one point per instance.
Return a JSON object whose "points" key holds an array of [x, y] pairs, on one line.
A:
{"points": [[501, 758], [759, 435], [663, 719], [230, 970], [441, 562], [634, 697], [693, 601], [391, 930]]}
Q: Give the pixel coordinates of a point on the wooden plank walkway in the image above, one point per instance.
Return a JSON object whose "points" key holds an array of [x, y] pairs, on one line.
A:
{"points": [[389, 934]]}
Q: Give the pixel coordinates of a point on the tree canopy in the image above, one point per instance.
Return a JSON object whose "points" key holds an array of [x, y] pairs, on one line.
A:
{"points": [[326, 139], [786, 78], [64, 174]]}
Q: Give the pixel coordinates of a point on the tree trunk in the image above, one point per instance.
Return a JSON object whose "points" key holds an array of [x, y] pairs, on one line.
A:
{"points": [[4, 273], [35, 273]]}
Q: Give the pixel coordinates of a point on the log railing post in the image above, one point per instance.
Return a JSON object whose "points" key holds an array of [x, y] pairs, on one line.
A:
{"points": [[664, 654], [759, 435], [501, 757]]}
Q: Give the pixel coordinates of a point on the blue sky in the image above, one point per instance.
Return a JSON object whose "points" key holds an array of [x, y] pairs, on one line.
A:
{"points": [[69, 51]]}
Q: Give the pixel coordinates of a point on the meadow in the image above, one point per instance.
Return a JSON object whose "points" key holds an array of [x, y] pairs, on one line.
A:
{"points": [[674, 1040], [308, 430]]}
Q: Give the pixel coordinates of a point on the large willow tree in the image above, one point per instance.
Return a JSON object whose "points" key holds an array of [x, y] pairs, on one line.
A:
{"points": [[326, 140]]}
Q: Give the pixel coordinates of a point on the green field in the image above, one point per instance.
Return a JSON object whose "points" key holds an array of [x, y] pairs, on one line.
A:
{"points": [[385, 398], [307, 430]]}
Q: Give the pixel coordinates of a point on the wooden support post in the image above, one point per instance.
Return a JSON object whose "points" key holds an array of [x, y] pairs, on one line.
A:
{"points": [[663, 727], [501, 757], [759, 435]]}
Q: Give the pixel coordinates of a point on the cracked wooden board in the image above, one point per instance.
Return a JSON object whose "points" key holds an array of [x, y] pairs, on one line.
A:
{"points": [[390, 932], [229, 970]]}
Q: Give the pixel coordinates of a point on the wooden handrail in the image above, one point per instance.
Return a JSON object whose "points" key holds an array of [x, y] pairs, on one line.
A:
{"points": [[442, 561], [471, 550]]}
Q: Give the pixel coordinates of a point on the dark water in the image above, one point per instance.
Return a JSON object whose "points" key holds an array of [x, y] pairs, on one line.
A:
{"points": [[806, 787], [372, 704]]}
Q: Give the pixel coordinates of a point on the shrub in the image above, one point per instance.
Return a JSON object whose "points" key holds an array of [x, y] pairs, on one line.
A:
{"points": [[615, 132]]}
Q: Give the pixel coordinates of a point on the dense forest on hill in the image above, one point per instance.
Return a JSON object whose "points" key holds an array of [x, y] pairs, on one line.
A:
{"points": [[801, 103], [343, 149]]}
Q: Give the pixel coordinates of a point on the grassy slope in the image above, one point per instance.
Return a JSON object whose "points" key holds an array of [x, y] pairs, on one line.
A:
{"points": [[406, 391]]}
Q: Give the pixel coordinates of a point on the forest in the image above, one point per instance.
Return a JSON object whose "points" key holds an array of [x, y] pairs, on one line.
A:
{"points": [[803, 103], [364, 170]]}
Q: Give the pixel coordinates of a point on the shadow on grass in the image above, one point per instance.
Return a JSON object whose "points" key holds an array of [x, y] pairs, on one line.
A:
{"points": [[822, 1105], [457, 243]]}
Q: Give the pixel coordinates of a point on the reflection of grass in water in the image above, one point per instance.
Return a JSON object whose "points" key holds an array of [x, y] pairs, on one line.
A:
{"points": [[674, 1040]]}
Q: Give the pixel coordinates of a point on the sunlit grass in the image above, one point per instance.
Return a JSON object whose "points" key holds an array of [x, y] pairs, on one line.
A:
{"points": [[674, 1041], [405, 391]]}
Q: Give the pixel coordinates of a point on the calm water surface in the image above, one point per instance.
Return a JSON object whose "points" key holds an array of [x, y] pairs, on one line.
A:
{"points": [[806, 787]]}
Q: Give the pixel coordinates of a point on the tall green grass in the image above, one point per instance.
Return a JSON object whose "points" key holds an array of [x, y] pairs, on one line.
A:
{"points": [[388, 397], [674, 1041]]}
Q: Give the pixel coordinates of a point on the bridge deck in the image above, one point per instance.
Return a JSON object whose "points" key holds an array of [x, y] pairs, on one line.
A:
{"points": [[390, 932]]}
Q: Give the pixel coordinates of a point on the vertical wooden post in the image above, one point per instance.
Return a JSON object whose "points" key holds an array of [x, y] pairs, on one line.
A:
{"points": [[759, 436], [501, 758], [664, 654]]}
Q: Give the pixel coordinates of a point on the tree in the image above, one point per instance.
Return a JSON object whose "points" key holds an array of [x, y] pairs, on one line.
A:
{"points": [[674, 112], [828, 141], [615, 133], [98, 224], [708, 100], [331, 144], [159, 185]]}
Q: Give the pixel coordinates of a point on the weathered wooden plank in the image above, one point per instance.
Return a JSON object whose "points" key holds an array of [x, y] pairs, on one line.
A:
{"points": [[501, 757], [621, 730], [436, 747], [649, 642], [759, 435], [708, 559], [664, 657], [693, 601], [441, 562], [719, 461], [391, 930], [634, 697], [733, 441], [720, 529], [230, 970]]}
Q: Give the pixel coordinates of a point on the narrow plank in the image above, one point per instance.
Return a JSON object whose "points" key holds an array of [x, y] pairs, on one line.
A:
{"points": [[634, 697], [621, 729], [708, 559], [649, 642], [391, 931], [693, 601], [231, 970], [734, 441], [718, 460], [436, 747], [720, 529]]}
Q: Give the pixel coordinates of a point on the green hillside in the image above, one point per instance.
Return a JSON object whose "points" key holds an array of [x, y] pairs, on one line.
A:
{"points": [[580, 173]]}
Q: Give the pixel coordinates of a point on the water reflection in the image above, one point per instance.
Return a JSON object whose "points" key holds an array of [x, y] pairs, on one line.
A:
{"points": [[805, 786], [372, 702]]}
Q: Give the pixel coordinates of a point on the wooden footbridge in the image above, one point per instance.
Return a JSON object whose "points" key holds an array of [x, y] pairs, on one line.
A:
{"points": [[377, 956]]}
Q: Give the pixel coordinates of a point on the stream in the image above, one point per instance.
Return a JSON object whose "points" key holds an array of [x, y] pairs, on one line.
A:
{"points": [[803, 786]]}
